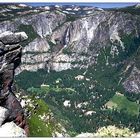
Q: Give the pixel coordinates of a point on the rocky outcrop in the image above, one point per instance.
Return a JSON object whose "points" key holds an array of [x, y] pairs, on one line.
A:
{"points": [[4, 114], [10, 58], [10, 129], [132, 83]]}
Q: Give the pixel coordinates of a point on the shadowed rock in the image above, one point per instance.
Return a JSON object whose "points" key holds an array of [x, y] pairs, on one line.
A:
{"points": [[10, 58]]}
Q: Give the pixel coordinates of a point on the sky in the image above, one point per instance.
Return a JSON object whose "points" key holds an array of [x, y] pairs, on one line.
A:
{"points": [[101, 5]]}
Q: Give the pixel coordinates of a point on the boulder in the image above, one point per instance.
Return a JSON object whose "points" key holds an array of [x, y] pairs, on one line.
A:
{"points": [[138, 135], [12, 38], [10, 129], [4, 113], [85, 135]]}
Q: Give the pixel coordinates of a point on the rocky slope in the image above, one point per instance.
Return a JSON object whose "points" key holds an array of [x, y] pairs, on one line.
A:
{"points": [[12, 117], [40, 118]]}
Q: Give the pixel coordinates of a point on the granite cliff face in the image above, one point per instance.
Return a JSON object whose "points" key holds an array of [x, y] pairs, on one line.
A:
{"points": [[12, 115], [68, 37]]}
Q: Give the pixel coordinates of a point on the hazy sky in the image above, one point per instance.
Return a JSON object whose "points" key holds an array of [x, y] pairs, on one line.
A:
{"points": [[101, 5]]}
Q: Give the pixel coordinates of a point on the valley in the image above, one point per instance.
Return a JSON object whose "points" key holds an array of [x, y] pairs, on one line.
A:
{"points": [[79, 68]]}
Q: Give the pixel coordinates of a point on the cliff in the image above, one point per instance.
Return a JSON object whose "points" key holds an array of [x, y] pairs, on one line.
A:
{"points": [[12, 115], [68, 37]]}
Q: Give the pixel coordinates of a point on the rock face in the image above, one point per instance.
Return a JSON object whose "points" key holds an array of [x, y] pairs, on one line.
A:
{"points": [[132, 83], [10, 58], [62, 38]]}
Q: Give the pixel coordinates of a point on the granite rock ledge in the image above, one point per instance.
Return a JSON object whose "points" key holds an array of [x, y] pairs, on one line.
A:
{"points": [[11, 113]]}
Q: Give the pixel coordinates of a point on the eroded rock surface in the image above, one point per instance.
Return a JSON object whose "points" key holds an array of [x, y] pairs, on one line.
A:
{"points": [[10, 108]]}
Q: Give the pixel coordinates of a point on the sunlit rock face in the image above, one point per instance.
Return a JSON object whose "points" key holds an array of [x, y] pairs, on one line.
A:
{"points": [[4, 114], [10, 129], [132, 83], [80, 36]]}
